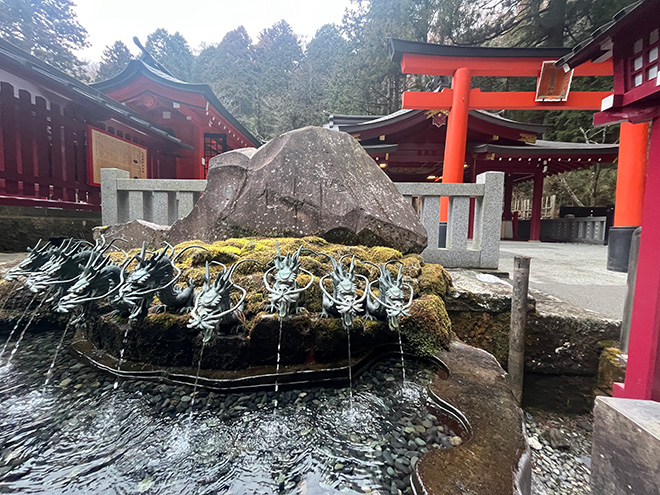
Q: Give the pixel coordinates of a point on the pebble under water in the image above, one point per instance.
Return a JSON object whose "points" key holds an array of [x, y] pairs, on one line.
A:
{"points": [[77, 435]]}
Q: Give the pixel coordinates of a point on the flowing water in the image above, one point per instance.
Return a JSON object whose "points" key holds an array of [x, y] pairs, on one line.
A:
{"points": [[277, 366], [49, 373], [20, 337], [80, 436], [121, 353], [199, 367], [350, 367], [18, 323], [403, 361]]}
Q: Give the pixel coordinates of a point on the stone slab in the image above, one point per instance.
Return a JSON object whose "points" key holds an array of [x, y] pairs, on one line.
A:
{"points": [[626, 447], [496, 459], [562, 339]]}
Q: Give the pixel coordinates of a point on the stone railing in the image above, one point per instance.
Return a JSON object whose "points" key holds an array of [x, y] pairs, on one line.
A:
{"points": [[483, 250], [161, 201]]}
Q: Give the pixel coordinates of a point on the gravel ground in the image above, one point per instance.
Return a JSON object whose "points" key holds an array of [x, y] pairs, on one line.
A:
{"points": [[565, 468]]}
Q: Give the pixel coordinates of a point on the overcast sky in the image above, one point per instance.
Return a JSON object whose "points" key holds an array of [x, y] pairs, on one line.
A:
{"points": [[197, 20]]}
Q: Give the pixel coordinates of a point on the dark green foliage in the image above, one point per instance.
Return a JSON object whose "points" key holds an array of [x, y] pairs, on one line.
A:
{"points": [[115, 59], [173, 52], [47, 29]]}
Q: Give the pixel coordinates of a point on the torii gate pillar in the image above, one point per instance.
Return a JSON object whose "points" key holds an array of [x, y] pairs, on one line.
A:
{"points": [[454, 159]]}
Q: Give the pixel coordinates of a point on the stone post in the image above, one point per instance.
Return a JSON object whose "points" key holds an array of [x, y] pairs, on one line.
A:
{"points": [[109, 195]]}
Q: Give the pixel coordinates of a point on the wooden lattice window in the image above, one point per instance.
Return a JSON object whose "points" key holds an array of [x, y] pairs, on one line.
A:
{"points": [[644, 62], [214, 144]]}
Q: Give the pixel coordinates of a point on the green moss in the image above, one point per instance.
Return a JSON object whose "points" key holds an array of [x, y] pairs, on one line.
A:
{"points": [[165, 320], [427, 329], [434, 279], [488, 331], [380, 254], [220, 253], [611, 369]]}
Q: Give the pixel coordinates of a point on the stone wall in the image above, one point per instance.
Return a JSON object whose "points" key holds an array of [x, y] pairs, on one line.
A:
{"points": [[563, 342], [21, 227]]}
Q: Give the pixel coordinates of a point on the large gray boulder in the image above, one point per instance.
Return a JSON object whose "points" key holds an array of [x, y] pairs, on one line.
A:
{"points": [[310, 181]]}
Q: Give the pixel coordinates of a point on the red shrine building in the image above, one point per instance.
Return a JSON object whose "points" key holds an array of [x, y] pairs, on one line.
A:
{"points": [[189, 111], [57, 132], [410, 146]]}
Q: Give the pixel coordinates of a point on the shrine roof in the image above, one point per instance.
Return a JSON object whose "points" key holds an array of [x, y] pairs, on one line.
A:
{"points": [[599, 44], [397, 48], [357, 123], [137, 68], [69, 85], [544, 148]]}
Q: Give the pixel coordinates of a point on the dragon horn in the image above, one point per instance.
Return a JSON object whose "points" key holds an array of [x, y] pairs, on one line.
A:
{"points": [[398, 277], [277, 247], [143, 251]]}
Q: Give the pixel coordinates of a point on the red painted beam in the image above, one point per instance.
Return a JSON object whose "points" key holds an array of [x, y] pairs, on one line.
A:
{"points": [[491, 66], [513, 100]]}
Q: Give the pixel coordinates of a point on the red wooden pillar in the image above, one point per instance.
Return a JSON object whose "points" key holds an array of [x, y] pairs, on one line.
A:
{"points": [[643, 368], [454, 158], [537, 203], [631, 174]]}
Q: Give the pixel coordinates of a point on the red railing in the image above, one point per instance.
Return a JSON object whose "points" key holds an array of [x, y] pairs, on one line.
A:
{"points": [[43, 154]]}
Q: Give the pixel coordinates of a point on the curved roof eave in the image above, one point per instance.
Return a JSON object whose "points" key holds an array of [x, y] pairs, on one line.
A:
{"points": [[592, 48], [397, 48], [404, 114], [55, 76], [137, 68], [542, 147]]}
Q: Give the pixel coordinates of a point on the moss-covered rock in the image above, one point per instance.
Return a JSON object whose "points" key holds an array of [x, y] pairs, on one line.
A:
{"points": [[434, 279], [611, 369], [165, 340], [427, 330]]}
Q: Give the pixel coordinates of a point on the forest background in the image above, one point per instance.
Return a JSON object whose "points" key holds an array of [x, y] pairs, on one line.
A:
{"points": [[277, 83]]}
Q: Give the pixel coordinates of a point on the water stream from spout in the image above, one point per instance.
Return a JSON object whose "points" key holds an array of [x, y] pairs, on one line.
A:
{"points": [[199, 367], [20, 319], [350, 368], [49, 374], [277, 367], [34, 313], [121, 354], [403, 361]]}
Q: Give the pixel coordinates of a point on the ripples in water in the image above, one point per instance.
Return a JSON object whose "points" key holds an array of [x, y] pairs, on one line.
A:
{"points": [[78, 436]]}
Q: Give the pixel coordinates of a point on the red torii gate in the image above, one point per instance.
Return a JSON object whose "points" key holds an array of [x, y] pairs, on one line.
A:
{"points": [[464, 62]]}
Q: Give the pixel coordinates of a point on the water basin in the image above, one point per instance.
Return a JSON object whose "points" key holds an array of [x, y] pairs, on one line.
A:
{"points": [[78, 435]]}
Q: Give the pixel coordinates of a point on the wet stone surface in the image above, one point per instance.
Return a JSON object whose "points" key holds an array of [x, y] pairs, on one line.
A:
{"points": [[78, 435], [563, 470]]}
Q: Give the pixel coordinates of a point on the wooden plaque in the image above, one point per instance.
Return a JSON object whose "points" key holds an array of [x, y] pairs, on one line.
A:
{"points": [[108, 151]]}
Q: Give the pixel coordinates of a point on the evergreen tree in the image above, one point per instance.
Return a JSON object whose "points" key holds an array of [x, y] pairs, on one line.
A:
{"points": [[277, 55], [229, 69], [115, 59], [172, 51], [48, 29]]}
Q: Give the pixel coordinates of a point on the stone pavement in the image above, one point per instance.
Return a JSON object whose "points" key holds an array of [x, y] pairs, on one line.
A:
{"points": [[575, 273]]}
